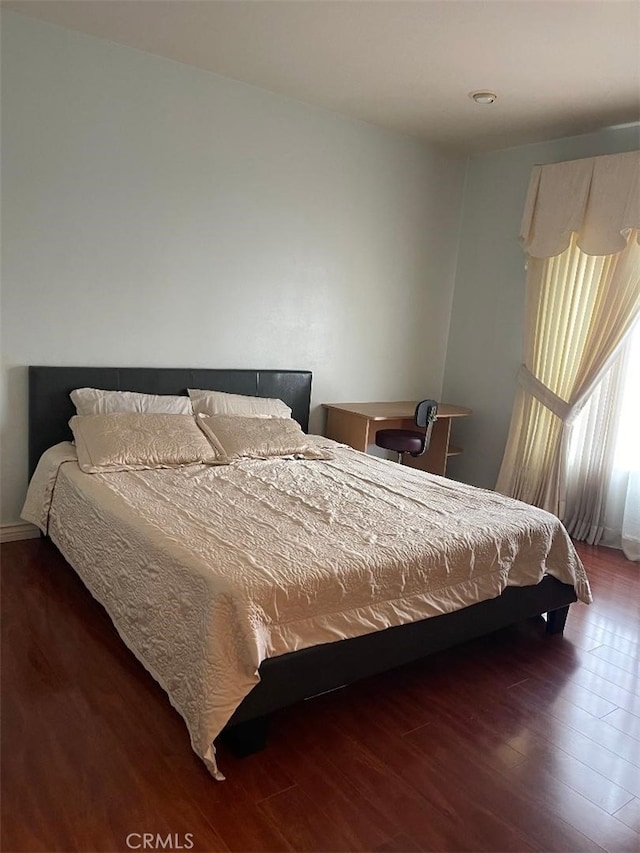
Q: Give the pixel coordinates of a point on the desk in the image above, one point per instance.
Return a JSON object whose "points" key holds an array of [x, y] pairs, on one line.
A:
{"points": [[356, 424]]}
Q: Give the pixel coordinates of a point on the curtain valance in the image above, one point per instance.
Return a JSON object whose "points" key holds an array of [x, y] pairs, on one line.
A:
{"points": [[597, 198]]}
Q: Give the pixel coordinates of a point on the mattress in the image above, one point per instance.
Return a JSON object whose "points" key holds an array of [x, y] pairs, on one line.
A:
{"points": [[206, 571]]}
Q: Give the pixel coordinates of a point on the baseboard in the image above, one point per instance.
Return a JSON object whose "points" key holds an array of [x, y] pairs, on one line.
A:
{"points": [[18, 530]]}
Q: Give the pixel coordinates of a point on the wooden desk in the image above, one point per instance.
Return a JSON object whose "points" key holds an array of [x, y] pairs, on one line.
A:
{"points": [[356, 424]]}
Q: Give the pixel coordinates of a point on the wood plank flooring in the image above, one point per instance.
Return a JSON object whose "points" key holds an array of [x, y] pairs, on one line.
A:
{"points": [[519, 741]]}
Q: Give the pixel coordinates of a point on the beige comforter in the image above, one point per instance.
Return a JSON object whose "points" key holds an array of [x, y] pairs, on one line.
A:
{"points": [[207, 571]]}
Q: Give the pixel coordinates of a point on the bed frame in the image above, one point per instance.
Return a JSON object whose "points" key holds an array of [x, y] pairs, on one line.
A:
{"points": [[299, 675]]}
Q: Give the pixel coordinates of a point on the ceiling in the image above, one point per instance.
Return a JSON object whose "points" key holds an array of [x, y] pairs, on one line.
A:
{"points": [[560, 67]]}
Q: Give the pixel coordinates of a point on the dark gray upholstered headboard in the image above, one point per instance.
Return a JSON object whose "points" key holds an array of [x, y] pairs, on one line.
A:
{"points": [[50, 407]]}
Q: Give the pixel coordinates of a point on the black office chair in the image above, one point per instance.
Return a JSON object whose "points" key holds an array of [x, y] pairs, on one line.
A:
{"points": [[409, 440]]}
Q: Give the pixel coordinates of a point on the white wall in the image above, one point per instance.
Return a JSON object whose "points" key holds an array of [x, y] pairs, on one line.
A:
{"points": [[154, 214], [485, 340]]}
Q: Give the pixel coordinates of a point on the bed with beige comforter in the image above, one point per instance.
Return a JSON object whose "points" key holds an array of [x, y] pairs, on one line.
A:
{"points": [[206, 571]]}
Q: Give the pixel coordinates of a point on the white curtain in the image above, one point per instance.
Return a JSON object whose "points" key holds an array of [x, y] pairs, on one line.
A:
{"points": [[592, 450], [630, 534], [580, 229], [621, 527]]}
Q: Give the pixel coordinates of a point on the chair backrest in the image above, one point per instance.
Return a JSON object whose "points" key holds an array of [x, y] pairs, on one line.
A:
{"points": [[426, 413], [425, 417]]}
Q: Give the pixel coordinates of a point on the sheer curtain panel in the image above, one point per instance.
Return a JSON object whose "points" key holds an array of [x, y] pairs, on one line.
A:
{"points": [[580, 230], [622, 506]]}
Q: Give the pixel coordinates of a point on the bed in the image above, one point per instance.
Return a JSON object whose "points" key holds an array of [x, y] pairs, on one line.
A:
{"points": [[283, 663]]}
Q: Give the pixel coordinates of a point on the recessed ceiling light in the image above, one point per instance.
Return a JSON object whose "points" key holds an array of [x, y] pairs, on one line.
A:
{"points": [[483, 97]]}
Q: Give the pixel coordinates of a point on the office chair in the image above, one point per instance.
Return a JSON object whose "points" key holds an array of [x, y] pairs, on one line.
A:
{"points": [[409, 440]]}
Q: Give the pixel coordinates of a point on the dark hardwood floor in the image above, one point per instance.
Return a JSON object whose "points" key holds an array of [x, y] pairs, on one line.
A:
{"points": [[519, 741]]}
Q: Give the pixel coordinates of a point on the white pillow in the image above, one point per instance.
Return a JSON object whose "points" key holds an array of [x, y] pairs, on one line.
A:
{"points": [[93, 401], [128, 441], [221, 403], [236, 437]]}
